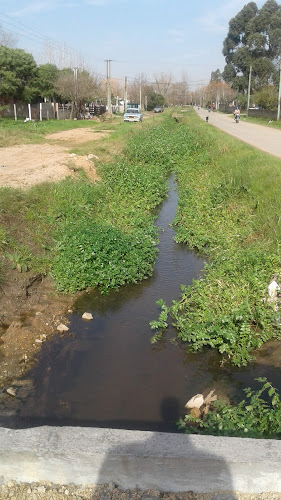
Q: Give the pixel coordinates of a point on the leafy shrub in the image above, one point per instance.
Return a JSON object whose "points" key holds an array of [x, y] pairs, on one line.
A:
{"points": [[92, 254], [254, 417], [229, 211]]}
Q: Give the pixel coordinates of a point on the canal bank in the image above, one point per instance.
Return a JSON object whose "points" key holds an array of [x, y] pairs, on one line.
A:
{"points": [[144, 460]]}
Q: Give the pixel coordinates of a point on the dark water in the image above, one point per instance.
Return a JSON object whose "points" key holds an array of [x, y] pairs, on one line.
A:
{"points": [[109, 374]]}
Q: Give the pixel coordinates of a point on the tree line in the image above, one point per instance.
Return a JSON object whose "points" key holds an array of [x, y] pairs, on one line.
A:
{"points": [[253, 45], [22, 80]]}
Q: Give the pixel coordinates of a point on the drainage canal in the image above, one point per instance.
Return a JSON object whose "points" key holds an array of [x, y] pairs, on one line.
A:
{"points": [[109, 375]]}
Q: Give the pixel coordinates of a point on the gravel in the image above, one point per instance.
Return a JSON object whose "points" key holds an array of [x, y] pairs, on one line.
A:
{"points": [[49, 491]]}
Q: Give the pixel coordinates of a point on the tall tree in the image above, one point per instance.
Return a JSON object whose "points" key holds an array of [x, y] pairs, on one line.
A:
{"points": [[216, 76], [253, 39], [17, 72]]}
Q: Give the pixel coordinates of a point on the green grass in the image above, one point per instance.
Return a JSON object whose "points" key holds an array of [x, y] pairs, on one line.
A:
{"points": [[103, 235], [229, 210], [87, 235]]}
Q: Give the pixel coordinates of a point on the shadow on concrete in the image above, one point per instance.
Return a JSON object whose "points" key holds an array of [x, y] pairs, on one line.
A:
{"points": [[167, 462]]}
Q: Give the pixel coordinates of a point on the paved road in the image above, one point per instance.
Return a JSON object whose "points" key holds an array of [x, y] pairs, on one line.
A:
{"points": [[265, 138]]}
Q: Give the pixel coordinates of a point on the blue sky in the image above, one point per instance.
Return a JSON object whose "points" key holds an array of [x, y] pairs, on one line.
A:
{"points": [[140, 36]]}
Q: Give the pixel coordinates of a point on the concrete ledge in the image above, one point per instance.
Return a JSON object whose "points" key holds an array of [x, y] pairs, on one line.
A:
{"points": [[168, 462]]}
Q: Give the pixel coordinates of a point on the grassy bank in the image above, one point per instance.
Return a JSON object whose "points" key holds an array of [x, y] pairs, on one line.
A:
{"points": [[229, 210], [103, 235], [262, 121], [87, 235]]}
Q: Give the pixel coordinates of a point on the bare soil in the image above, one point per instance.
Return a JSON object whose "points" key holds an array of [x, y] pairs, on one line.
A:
{"points": [[28, 164]]}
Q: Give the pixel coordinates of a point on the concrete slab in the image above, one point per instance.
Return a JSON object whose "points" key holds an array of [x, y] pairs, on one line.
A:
{"points": [[169, 462]]}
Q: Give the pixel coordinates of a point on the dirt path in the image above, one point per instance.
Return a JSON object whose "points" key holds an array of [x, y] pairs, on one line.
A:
{"points": [[265, 138]]}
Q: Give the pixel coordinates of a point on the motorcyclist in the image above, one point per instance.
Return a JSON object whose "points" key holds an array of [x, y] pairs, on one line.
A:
{"points": [[237, 114]]}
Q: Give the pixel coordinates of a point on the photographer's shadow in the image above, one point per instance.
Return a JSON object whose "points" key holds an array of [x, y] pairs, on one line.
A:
{"points": [[165, 461]]}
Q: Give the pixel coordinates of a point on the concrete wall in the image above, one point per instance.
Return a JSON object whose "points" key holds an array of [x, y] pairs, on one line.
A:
{"points": [[169, 462]]}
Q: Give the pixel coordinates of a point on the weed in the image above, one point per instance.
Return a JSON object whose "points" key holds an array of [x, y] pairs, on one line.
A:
{"points": [[253, 417]]}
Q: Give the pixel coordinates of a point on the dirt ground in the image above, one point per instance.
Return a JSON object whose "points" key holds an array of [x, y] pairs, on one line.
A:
{"points": [[28, 164]]}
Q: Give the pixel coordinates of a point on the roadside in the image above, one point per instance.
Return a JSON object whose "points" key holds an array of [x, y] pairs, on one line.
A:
{"points": [[111, 491], [264, 138]]}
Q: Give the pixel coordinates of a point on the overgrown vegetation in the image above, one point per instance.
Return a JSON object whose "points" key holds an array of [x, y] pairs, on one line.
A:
{"points": [[228, 210], [259, 415], [87, 235]]}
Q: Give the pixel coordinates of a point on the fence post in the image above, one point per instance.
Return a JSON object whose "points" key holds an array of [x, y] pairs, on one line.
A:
{"points": [[15, 112], [40, 111], [29, 112]]}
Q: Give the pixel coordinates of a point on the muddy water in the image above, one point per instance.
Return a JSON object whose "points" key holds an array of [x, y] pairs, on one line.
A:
{"points": [[107, 373]]}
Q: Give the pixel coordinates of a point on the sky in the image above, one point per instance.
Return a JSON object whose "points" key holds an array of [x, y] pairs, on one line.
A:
{"points": [[179, 37]]}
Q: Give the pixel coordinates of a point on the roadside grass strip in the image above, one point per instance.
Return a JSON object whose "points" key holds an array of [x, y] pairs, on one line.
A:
{"points": [[229, 210]]}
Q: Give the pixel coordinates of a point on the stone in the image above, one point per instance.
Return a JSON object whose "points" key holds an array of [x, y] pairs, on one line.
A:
{"points": [[39, 341], [273, 288], [87, 316], [41, 489], [62, 328], [11, 392], [195, 402]]}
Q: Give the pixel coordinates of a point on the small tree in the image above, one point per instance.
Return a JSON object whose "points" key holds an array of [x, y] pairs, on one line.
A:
{"points": [[76, 86], [267, 97], [154, 99], [47, 75]]}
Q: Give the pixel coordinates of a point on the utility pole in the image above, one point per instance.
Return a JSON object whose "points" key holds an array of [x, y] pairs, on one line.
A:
{"points": [[249, 90], [140, 95], [279, 94], [75, 92], [108, 61], [125, 95]]}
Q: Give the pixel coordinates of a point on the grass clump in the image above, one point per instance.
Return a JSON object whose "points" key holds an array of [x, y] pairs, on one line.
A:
{"points": [[229, 210]]}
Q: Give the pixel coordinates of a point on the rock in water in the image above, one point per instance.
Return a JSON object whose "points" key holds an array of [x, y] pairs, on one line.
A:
{"points": [[87, 316], [62, 328]]}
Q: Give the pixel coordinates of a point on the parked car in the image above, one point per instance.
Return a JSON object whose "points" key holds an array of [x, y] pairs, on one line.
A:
{"points": [[158, 109], [132, 115]]}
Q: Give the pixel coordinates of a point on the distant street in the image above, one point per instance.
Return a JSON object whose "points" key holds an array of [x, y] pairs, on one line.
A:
{"points": [[265, 138]]}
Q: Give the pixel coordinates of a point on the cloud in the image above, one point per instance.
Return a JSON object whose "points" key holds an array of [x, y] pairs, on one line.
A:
{"points": [[176, 35], [34, 7], [104, 3]]}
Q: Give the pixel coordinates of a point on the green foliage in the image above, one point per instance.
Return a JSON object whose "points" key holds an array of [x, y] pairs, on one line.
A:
{"points": [[254, 37], [92, 254], [254, 417], [229, 211], [45, 82], [266, 97], [17, 71], [154, 99], [99, 235]]}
